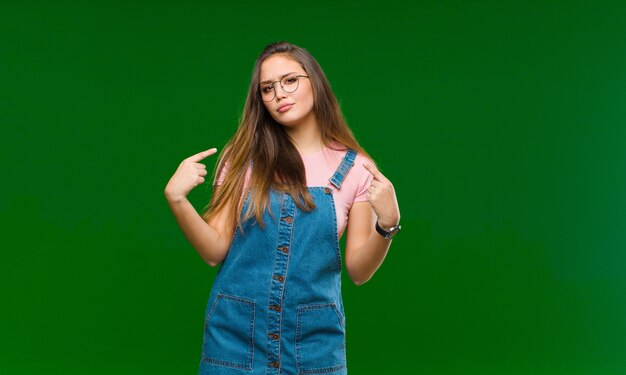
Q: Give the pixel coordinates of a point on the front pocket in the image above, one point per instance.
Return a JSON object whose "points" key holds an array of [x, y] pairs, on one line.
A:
{"points": [[228, 332], [320, 339]]}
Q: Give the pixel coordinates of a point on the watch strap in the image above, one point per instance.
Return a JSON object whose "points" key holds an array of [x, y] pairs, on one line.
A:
{"points": [[387, 234]]}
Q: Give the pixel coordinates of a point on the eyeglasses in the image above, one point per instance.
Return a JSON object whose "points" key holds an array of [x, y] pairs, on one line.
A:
{"points": [[288, 83]]}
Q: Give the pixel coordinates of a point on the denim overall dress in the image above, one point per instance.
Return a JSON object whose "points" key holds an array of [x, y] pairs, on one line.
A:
{"points": [[276, 305]]}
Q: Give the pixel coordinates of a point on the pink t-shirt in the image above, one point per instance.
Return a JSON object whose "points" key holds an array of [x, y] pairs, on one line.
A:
{"points": [[319, 167]]}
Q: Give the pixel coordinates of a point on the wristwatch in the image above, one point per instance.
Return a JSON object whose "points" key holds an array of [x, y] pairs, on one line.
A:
{"points": [[388, 234]]}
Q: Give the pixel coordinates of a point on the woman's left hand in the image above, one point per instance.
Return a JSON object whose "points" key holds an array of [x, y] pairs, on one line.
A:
{"points": [[382, 198]]}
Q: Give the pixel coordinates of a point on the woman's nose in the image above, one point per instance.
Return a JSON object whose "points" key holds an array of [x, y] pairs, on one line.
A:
{"points": [[278, 89]]}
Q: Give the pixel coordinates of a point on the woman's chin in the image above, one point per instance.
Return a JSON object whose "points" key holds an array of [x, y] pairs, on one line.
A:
{"points": [[290, 123]]}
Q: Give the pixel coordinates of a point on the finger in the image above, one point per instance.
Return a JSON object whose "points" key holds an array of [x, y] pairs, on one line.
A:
{"points": [[376, 183], [200, 166], [202, 172], [374, 171], [201, 155]]}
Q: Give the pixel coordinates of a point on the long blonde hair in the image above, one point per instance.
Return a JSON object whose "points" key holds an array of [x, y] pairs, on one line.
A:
{"points": [[276, 161]]}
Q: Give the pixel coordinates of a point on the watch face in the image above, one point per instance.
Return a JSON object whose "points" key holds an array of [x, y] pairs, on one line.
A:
{"points": [[393, 231], [384, 233]]}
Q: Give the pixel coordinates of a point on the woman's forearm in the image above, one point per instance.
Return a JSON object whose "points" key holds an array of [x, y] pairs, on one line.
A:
{"points": [[207, 241], [368, 258]]}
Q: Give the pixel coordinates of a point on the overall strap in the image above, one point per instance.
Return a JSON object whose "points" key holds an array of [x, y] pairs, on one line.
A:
{"points": [[341, 172]]}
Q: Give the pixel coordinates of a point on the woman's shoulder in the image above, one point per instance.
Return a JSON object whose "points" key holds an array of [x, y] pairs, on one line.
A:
{"points": [[358, 174], [358, 168], [359, 178], [338, 151]]}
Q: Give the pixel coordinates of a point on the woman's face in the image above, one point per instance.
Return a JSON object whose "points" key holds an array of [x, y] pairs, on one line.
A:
{"points": [[300, 109]]}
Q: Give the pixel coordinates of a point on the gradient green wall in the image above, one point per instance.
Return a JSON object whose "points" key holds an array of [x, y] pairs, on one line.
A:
{"points": [[502, 126]]}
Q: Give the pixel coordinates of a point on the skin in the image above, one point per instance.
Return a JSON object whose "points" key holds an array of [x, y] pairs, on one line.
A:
{"points": [[365, 248], [299, 121]]}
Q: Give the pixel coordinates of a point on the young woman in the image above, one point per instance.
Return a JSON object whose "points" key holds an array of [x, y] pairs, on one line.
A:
{"points": [[290, 180]]}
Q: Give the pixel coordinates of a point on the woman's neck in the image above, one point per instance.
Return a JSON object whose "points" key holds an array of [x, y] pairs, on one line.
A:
{"points": [[306, 137]]}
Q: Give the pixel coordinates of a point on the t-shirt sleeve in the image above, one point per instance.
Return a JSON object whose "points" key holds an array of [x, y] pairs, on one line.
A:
{"points": [[364, 180], [219, 179], [221, 175]]}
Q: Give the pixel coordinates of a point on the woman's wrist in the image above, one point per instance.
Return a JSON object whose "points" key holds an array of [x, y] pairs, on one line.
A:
{"points": [[172, 199], [388, 224]]}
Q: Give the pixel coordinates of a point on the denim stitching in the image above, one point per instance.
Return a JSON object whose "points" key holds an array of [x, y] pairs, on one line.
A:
{"points": [[293, 225], [269, 288], [346, 164], [339, 260], [298, 316], [337, 247], [303, 308], [221, 362]]}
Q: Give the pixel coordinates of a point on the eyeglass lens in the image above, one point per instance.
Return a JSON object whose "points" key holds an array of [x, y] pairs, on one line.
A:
{"points": [[289, 84]]}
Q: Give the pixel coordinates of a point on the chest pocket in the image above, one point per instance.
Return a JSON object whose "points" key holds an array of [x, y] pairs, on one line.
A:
{"points": [[320, 339], [229, 331]]}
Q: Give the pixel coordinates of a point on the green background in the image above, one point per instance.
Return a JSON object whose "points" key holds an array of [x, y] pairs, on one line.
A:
{"points": [[502, 126]]}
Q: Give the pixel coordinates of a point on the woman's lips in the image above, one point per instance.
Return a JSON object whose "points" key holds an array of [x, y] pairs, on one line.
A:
{"points": [[285, 108]]}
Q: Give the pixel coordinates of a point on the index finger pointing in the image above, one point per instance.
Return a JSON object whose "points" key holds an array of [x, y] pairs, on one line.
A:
{"points": [[201, 155], [373, 170]]}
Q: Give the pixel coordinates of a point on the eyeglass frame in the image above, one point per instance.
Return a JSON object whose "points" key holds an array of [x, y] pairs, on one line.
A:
{"points": [[271, 85]]}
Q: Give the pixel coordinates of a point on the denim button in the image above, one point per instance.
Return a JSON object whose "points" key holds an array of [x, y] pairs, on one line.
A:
{"points": [[328, 190], [279, 278], [288, 219], [284, 249], [273, 336], [275, 308], [273, 364]]}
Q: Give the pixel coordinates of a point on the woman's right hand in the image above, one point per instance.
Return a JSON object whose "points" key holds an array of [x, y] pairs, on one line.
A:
{"points": [[190, 173]]}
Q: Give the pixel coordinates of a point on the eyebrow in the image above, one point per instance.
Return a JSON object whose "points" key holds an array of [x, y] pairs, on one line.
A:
{"points": [[281, 77]]}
